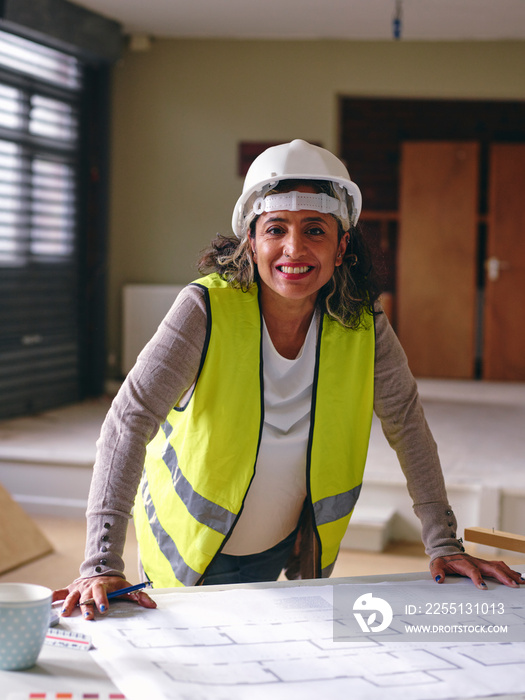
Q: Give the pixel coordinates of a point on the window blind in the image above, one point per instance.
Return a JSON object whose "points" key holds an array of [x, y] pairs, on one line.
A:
{"points": [[40, 137]]}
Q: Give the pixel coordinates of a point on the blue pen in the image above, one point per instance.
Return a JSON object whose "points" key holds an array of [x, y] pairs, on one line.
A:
{"points": [[130, 589], [121, 591]]}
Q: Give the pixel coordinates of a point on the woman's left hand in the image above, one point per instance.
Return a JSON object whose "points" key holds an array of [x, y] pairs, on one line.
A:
{"points": [[475, 569]]}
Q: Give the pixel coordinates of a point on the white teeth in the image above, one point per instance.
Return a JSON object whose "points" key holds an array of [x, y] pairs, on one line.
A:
{"points": [[294, 270]]}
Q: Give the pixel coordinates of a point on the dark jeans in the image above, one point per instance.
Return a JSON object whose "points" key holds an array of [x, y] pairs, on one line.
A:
{"points": [[250, 568]]}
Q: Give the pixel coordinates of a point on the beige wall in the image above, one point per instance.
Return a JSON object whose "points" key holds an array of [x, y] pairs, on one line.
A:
{"points": [[180, 110]]}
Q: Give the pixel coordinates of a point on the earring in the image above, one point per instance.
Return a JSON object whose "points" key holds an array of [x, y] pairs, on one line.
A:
{"points": [[352, 260]]}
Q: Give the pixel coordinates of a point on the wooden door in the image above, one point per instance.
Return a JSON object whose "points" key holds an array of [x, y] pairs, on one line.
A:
{"points": [[504, 330], [436, 270]]}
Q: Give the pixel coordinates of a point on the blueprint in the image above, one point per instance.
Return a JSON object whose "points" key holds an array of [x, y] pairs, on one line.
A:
{"points": [[278, 643]]}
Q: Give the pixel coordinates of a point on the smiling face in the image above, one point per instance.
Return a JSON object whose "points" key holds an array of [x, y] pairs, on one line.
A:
{"points": [[296, 252]]}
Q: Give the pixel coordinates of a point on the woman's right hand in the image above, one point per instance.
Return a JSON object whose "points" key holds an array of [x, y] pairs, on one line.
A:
{"points": [[96, 589]]}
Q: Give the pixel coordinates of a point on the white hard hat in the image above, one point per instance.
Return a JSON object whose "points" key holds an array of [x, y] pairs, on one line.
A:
{"points": [[297, 160]]}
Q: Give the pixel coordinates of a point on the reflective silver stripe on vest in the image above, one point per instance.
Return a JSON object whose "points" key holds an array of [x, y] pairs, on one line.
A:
{"points": [[327, 571], [183, 573], [334, 507], [166, 427], [203, 510]]}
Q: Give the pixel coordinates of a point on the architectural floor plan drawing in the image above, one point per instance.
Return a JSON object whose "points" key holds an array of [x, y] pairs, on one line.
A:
{"points": [[278, 643]]}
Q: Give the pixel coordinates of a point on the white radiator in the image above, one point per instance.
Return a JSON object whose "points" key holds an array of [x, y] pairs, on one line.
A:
{"points": [[143, 308]]}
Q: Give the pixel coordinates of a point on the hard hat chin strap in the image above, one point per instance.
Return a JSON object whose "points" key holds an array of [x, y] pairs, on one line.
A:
{"points": [[296, 201]]}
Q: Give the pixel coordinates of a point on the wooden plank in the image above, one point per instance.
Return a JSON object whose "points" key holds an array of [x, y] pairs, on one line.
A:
{"points": [[436, 282], [21, 540], [495, 538]]}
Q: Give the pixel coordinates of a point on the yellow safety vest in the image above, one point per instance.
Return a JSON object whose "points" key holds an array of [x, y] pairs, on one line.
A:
{"points": [[200, 465]]}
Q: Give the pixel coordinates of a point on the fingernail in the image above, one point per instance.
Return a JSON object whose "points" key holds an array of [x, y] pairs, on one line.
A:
{"points": [[62, 611], [438, 578], [102, 608], [86, 614], [483, 584]]}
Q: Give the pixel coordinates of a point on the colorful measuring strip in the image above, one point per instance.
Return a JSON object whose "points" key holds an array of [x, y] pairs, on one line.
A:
{"points": [[65, 696], [65, 638]]}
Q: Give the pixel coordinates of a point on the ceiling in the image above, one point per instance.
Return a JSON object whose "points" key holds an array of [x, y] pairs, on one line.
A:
{"points": [[427, 20]]}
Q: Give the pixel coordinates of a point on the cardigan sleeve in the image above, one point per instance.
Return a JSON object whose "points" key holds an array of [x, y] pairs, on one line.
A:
{"points": [[163, 373], [398, 406]]}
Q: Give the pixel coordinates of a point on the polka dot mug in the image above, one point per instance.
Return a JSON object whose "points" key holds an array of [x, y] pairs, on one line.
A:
{"points": [[24, 620]]}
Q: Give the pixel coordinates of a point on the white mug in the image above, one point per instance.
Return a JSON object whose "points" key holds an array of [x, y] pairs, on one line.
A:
{"points": [[25, 610]]}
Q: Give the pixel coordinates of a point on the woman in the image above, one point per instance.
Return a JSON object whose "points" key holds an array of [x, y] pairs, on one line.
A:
{"points": [[251, 407]]}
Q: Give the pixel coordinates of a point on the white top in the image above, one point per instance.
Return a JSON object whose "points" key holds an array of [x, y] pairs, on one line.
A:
{"points": [[276, 495]]}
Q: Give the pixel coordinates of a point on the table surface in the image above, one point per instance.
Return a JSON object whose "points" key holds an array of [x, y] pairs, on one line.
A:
{"points": [[74, 671]]}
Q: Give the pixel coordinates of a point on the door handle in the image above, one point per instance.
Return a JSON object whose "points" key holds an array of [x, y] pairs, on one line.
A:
{"points": [[494, 266]]}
